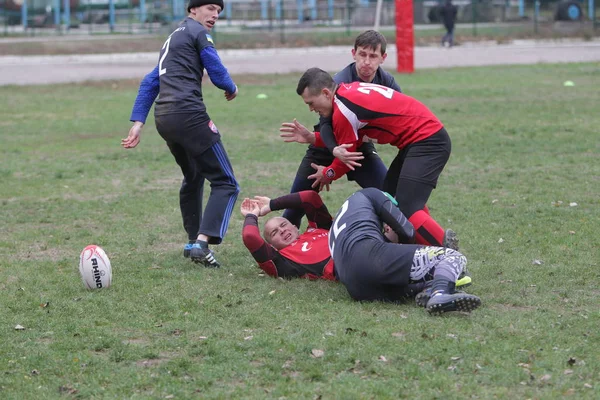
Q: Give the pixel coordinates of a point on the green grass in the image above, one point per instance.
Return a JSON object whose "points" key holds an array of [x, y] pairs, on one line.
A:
{"points": [[522, 143]]}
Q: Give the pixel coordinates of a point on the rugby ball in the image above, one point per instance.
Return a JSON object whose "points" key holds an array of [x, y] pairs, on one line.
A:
{"points": [[94, 268]]}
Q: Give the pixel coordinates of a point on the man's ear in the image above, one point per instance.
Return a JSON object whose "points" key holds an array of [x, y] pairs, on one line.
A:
{"points": [[328, 93], [383, 57]]}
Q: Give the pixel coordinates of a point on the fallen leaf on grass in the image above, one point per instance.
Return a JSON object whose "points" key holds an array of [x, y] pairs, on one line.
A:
{"points": [[272, 292], [19, 328], [557, 203], [316, 353], [35, 372], [573, 204], [500, 240], [382, 358], [545, 378], [568, 371], [587, 385], [399, 334], [523, 365], [455, 358], [248, 337], [537, 262], [572, 232]]}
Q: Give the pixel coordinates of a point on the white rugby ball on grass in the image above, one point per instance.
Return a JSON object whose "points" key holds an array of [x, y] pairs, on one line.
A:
{"points": [[94, 267]]}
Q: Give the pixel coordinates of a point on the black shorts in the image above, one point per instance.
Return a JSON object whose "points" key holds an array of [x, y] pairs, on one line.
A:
{"points": [[195, 132], [422, 161]]}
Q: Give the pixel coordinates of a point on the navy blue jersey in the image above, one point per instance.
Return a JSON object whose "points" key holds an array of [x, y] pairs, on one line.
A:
{"points": [[349, 75], [181, 70], [361, 217]]}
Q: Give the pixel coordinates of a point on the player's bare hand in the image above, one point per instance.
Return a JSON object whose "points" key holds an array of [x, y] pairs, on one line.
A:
{"points": [[350, 158], [264, 204], [230, 96], [320, 181], [133, 138], [296, 132], [250, 207]]}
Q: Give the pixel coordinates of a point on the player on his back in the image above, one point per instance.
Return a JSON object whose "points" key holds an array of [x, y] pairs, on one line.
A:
{"points": [[364, 111], [369, 53], [192, 137]]}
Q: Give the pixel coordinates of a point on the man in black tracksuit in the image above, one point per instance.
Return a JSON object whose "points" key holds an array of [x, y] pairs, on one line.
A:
{"points": [[369, 260], [448, 14], [183, 122], [369, 52]]}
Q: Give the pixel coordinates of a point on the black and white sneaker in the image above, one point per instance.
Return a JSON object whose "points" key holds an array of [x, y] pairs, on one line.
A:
{"points": [[203, 256], [441, 303]]}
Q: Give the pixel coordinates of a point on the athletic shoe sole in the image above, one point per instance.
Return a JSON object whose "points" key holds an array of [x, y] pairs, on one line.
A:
{"points": [[453, 302]]}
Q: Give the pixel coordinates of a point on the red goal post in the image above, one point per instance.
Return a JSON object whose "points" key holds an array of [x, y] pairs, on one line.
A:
{"points": [[405, 36]]}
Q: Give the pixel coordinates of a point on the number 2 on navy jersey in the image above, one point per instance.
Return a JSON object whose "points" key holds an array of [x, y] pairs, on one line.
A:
{"points": [[382, 90], [335, 228], [162, 70]]}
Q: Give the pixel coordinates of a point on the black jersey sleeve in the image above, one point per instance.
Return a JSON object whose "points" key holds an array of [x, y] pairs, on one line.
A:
{"points": [[308, 200], [390, 214]]}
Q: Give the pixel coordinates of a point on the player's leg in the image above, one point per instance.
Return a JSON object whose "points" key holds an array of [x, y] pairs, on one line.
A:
{"points": [[190, 193], [372, 172], [301, 181], [423, 164], [214, 165], [445, 265]]}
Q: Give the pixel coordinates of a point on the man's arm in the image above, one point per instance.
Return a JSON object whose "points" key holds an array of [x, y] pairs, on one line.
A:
{"points": [[390, 214], [147, 93], [217, 72], [312, 204]]}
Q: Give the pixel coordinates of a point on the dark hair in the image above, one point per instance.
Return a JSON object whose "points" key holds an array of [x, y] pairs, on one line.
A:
{"points": [[371, 39], [315, 79]]}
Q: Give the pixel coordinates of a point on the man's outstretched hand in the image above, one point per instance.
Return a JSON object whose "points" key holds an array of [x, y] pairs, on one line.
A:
{"points": [[296, 132]]}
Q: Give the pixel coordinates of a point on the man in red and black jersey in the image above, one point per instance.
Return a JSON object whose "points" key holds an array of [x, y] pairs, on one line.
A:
{"points": [[285, 252], [363, 111]]}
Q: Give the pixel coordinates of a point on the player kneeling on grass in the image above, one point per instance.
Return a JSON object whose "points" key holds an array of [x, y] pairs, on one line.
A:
{"points": [[364, 242], [287, 253]]}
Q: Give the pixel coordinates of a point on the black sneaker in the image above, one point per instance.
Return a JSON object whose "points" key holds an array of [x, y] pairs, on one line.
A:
{"points": [[463, 281], [450, 240], [203, 256], [441, 303]]}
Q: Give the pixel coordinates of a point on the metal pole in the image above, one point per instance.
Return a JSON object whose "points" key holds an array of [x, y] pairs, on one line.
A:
{"points": [[24, 15], [474, 8], [111, 15], [536, 13], [377, 14]]}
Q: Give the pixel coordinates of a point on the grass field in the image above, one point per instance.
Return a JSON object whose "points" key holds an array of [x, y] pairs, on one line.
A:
{"points": [[521, 189]]}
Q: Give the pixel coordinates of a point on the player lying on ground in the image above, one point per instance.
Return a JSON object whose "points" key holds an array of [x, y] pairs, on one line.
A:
{"points": [[287, 253], [364, 244]]}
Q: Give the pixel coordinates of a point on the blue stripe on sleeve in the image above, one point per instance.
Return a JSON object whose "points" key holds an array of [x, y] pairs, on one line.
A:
{"points": [[149, 88], [216, 70]]}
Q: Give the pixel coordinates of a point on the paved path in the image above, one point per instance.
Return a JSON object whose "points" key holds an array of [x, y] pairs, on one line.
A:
{"points": [[30, 70]]}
